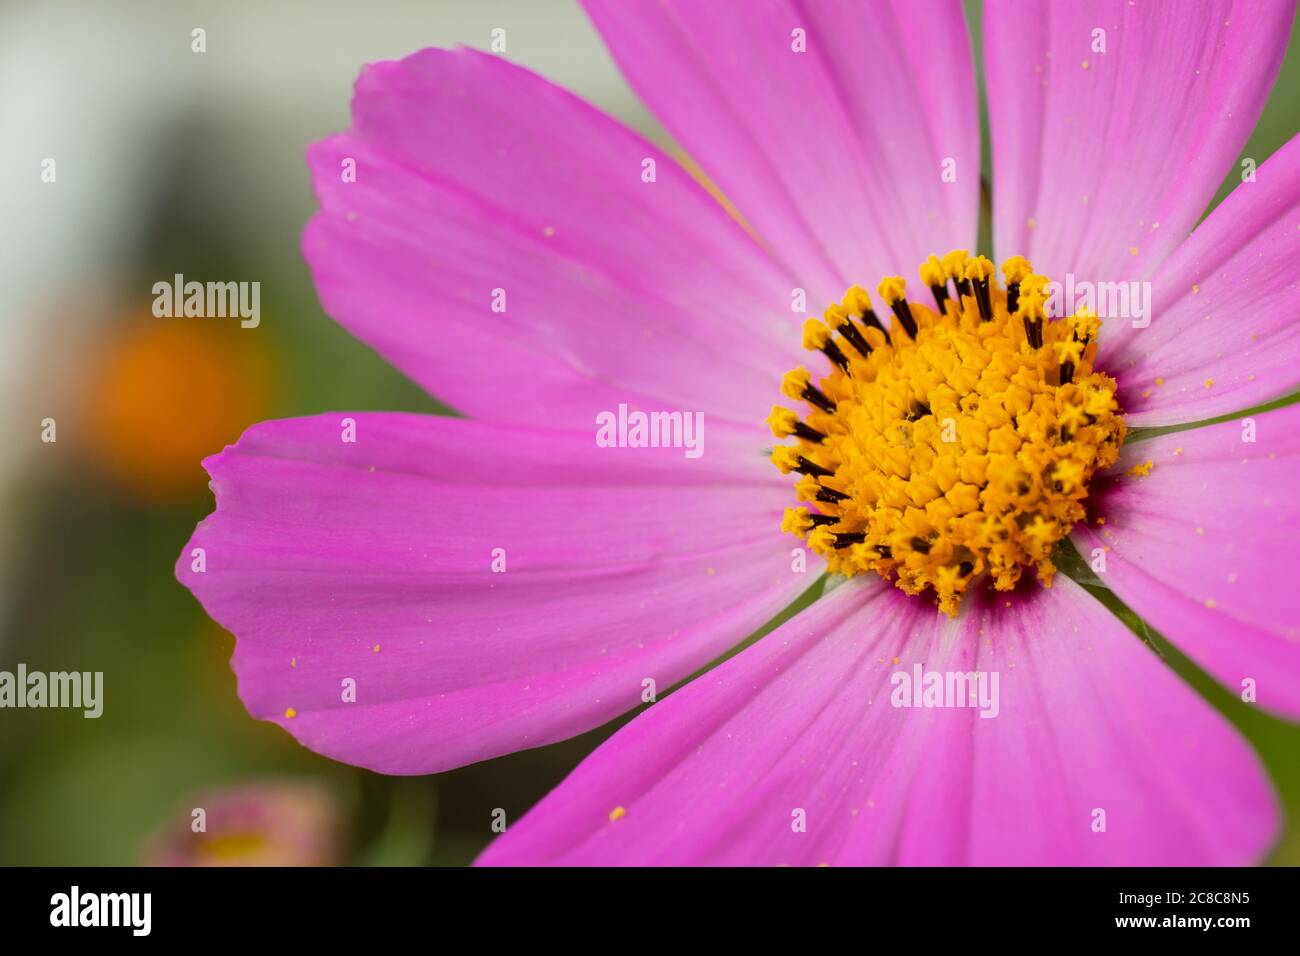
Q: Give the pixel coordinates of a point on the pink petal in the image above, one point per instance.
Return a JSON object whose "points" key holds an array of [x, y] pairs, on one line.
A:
{"points": [[621, 564], [1103, 162], [1224, 334], [476, 179], [833, 155], [1206, 547], [1089, 719]]}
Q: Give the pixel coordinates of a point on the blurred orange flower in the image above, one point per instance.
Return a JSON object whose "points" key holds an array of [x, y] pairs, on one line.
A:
{"points": [[162, 394]]}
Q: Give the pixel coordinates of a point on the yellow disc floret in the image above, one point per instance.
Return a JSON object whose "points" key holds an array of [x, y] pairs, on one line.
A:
{"points": [[944, 446]]}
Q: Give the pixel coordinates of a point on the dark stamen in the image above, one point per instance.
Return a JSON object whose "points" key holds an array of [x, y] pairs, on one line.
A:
{"points": [[1034, 332], [921, 545], [807, 467], [904, 313], [853, 335], [940, 296], [816, 396], [831, 495], [808, 433], [982, 299], [1067, 373], [965, 568], [872, 321], [844, 539], [835, 355], [1013, 296], [818, 520]]}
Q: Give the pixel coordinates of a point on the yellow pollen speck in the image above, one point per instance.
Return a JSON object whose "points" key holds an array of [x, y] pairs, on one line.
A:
{"points": [[376, 648], [293, 662], [711, 571], [1178, 450], [1160, 381], [618, 813], [1016, 269], [548, 231], [1142, 470], [897, 661], [892, 289], [1132, 250], [1195, 288], [1085, 64], [953, 448], [1201, 532], [290, 713], [1209, 382], [931, 271], [1210, 603], [954, 263]]}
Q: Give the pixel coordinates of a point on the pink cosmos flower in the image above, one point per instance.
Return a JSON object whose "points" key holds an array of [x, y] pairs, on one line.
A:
{"points": [[499, 581], [262, 823]]}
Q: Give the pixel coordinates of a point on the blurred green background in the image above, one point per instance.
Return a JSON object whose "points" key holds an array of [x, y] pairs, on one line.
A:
{"points": [[171, 161]]}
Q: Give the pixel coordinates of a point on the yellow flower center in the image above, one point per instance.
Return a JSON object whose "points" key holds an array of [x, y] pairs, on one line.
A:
{"points": [[942, 446]]}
